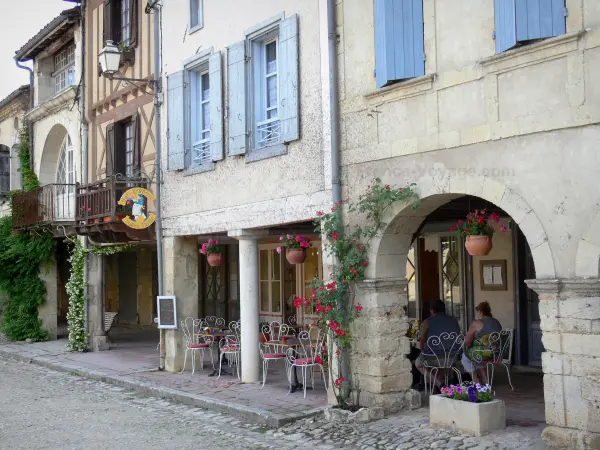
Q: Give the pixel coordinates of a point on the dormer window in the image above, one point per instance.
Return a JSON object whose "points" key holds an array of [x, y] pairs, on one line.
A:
{"points": [[64, 69]]}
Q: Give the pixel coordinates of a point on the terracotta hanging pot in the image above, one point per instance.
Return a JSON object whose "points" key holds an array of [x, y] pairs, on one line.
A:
{"points": [[295, 255], [478, 245], [214, 259]]}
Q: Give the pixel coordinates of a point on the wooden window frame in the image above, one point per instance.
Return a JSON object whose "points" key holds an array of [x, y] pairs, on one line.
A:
{"points": [[115, 146], [112, 29]]}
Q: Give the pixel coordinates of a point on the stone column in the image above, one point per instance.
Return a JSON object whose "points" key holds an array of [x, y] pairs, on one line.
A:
{"points": [[570, 321], [249, 302], [48, 312], [378, 359], [98, 339], [181, 280]]}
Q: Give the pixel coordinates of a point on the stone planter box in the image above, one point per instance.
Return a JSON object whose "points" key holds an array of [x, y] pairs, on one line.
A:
{"points": [[475, 419], [363, 415]]}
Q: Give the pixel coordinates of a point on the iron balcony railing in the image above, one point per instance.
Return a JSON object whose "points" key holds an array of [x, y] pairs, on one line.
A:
{"points": [[46, 205], [97, 202]]}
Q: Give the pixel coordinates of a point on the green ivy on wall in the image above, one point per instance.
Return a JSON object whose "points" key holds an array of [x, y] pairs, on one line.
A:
{"points": [[30, 181], [22, 256]]}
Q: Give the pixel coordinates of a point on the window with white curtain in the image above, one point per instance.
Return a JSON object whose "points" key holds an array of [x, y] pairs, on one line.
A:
{"points": [[200, 116]]}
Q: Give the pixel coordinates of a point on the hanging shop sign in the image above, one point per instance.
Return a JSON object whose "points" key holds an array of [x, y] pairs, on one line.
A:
{"points": [[139, 199]]}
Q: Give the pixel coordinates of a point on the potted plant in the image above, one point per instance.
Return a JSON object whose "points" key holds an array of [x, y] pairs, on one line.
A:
{"points": [[470, 408], [295, 246], [213, 251], [478, 231]]}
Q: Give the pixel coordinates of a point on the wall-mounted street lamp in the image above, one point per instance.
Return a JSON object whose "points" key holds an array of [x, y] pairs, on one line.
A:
{"points": [[110, 60]]}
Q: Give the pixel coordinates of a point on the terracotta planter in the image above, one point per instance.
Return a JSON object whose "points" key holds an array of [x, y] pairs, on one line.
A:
{"points": [[478, 245], [214, 259], [295, 255]]}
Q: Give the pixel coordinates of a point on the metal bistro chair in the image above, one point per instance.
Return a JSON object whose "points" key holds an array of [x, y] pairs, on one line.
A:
{"points": [[443, 352], [306, 356], [214, 322], [191, 327], [498, 350], [230, 345], [269, 349]]}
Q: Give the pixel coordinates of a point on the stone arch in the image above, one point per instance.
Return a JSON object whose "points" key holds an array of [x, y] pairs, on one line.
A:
{"points": [[51, 154], [587, 261], [389, 250]]}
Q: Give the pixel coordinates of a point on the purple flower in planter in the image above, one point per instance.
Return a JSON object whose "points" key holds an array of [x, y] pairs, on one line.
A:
{"points": [[472, 396]]}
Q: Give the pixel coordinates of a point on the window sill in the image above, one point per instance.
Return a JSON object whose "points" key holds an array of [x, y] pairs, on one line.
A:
{"points": [[403, 88], [195, 170], [195, 28], [550, 47], [259, 154]]}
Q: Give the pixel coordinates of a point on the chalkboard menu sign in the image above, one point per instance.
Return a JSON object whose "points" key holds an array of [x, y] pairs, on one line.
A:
{"points": [[167, 311]]}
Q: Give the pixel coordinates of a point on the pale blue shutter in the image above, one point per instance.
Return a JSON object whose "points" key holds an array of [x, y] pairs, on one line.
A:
{"points": [[288, 82], [175, 130], [216, 107], [506, 27], [236, 94], [399, 45], [538, 19]]}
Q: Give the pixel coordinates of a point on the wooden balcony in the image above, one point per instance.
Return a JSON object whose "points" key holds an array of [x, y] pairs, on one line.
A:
{"points": [[46, 206], [99, 215]]}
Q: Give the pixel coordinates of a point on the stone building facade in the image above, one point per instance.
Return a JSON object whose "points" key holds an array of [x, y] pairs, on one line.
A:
{"points": [[514, 125]]}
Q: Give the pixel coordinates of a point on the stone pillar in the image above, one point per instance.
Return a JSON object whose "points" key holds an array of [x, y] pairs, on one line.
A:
{"points": [[249, 302], [570, 321], [378, 358], [48, 312], [98, 339], [181, 280]]}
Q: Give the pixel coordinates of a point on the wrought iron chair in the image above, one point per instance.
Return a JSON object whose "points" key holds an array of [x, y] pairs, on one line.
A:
{"points": [[498, 350], [230, 345], [214, 321], [270, 349], [308, 354], [191, 327], [442, 352]]}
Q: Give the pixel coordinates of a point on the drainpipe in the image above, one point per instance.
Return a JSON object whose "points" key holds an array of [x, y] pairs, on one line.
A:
{"points": [[84, 166], [157, 105], [31, 103], [334, 120]]}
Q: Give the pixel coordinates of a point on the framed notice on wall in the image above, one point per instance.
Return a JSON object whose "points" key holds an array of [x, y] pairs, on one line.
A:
{"points": [[167, 311], [493, 275]]}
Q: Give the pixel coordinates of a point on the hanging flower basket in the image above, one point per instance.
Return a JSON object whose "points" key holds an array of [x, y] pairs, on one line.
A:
{"points": [[295, 247], [213, 251], [478, 231]]}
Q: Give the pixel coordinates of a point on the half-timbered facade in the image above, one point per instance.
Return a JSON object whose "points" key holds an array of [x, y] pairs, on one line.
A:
{"points": [[120, 156]]}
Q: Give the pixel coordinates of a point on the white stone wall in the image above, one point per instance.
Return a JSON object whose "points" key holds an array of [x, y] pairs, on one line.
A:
{"points": [[238, 194], [10, 136]]}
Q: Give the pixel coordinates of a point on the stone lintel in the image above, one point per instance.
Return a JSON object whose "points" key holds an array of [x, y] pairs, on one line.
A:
{"points": [[580, 286], [250, 234], [372, 285]]}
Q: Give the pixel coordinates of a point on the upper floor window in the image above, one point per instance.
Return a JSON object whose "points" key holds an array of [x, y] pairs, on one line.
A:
{"points": [[399, 41], [263, 89], [121, 22], [522, 21], [195, 113], [64, 68], [4, 170], [123, 145], [196, 15]]}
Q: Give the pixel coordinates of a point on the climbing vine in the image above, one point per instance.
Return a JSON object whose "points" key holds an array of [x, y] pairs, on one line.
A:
{"points": [[76, 290], [22, 256]]}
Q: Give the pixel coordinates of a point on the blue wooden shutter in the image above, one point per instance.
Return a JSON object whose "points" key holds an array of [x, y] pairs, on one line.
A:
{"points": [[216, 107], [399, 46], [236, 95], [506, 27], [538, 19], [175, 130], [288, 81]]}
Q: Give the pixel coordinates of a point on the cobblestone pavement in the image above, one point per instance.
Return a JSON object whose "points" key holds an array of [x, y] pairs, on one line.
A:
{"points": [[44, 409]]}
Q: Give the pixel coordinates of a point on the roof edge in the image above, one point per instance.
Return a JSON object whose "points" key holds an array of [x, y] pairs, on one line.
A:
{"points": [[21, 90]]}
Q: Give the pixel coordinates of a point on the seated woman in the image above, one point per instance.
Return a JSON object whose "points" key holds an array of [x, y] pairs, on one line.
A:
{"points": [[477, 342]]}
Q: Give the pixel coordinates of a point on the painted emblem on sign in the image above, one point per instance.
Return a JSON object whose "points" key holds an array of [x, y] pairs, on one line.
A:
{"points": [[138, 198]]}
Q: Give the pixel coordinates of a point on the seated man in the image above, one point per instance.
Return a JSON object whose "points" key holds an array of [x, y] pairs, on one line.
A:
{"points": [[438, 323]]}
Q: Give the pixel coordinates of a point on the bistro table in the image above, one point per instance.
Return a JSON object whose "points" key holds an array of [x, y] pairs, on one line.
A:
{"points": [[292, 342], [218, 334]]}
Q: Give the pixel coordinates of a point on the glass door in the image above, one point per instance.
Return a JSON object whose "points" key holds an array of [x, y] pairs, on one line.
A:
{"points": [[451, 267]]}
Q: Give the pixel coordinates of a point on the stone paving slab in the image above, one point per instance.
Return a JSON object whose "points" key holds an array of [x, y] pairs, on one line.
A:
{"points": [[134, 366]]}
